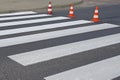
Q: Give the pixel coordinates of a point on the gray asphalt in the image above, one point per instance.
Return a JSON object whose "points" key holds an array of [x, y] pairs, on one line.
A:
{"points": [[10, 70], [118, 78]]}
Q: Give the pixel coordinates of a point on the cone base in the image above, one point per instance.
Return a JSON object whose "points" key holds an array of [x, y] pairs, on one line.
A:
{"points": [[50, 13], [96, 20], [71, 16]]}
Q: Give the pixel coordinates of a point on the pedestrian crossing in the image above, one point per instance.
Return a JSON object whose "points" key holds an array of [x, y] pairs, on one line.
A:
{"points": [[103, 70], [33, 57], [54, 52], [17, 13], [31, 21], [21, 17], [43, 27], [54, 34]]}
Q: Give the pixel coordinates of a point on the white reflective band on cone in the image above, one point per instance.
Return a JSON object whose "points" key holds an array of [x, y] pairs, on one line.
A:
{"points": [[71, 12], [49, 9], [95, 16], [96, 11], [71, 7], [49, 5]]}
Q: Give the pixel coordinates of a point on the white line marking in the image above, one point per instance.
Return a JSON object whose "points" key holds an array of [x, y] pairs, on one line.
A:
{"points": [[17, 13], [42, 27], [53, 34], [46, 54], [101, 70], [31, 21], [23, 17]]}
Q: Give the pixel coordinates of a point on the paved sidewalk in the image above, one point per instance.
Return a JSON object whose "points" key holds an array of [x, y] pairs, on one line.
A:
{"points": [[41, 5], [89, 3], [21, 5]]}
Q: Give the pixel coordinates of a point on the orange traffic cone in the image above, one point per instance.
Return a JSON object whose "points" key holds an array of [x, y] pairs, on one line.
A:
{"points": [[71, 12], [96, 15], [49, 8]]}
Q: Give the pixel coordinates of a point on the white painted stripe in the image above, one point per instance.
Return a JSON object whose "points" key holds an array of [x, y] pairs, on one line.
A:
{"points": [[18, 13], [46, 54], [42, 27], [31, 21], [53, 34], [23, 17], [101, 70]]}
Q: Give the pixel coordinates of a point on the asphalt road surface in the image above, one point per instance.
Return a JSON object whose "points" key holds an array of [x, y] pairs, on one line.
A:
{"points": [[37, 46]]}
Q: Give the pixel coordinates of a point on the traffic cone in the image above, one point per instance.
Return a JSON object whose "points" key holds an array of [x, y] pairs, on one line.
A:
{"points": [[96, 15], [71, 12], [50, 8]]}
